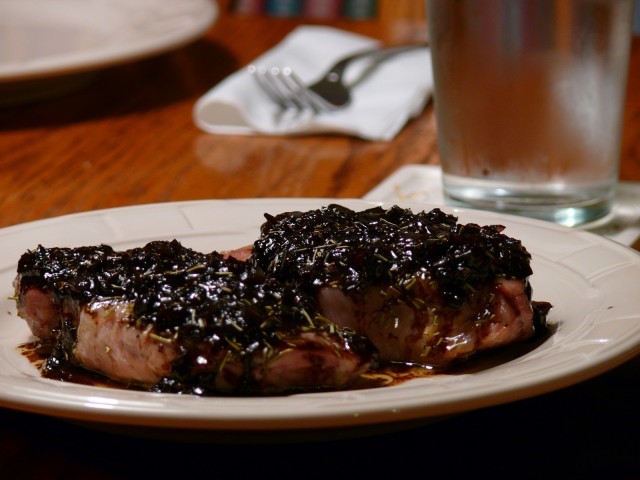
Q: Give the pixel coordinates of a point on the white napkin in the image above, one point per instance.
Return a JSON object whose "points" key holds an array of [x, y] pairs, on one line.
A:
{"points": [[382, 103]]}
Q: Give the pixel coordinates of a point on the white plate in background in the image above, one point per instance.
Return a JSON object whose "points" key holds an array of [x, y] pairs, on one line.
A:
{"points": [[43, 38]]}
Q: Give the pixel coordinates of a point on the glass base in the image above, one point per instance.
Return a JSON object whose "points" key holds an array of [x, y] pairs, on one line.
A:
{"points": [[565, 205]]}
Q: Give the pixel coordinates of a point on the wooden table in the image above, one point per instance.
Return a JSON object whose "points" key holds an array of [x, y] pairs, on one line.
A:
{"points": [[127, 138]]}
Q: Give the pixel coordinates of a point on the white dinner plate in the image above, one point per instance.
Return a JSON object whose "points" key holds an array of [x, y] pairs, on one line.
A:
{"points": [[590, 280], [43, 38]]}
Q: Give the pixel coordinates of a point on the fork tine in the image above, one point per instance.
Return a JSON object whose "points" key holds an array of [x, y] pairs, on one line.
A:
{"points": [[265, 80], [287, 90], [280, 80], [302, 92]]}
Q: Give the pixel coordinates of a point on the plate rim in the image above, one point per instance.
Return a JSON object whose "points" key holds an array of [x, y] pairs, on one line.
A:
{"points": [[104, 56]]}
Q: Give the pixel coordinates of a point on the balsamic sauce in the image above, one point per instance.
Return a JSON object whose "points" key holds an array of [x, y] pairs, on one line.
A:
{"points": [[387, 375], [339, 246]]}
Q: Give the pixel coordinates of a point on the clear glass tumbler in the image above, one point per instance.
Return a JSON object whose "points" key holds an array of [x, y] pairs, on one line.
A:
{"points": [[529, 98]]}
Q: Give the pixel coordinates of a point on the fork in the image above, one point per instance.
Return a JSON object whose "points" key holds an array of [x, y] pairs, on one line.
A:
{"points": [[329, 93]]}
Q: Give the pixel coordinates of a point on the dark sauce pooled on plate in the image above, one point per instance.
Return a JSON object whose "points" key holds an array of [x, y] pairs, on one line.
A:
{"points": [[387, 375]]}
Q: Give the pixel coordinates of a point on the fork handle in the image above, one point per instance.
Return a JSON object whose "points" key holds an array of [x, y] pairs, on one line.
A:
{"points": [[381, 54]]}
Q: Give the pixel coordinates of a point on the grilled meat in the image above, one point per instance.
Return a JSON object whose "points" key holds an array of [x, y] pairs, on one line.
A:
{"points": [[422, 287], [176, 320], [318, 299]]}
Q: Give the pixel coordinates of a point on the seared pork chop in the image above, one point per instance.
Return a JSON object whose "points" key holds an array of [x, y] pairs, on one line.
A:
{"points": [[422, 287], [173, 319]]}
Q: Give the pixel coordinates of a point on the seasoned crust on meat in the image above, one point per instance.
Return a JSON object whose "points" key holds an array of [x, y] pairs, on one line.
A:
{"points": [[354, 250]]}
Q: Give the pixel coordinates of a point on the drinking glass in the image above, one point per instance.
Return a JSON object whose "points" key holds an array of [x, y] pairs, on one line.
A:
{"points": [[529, 99]]}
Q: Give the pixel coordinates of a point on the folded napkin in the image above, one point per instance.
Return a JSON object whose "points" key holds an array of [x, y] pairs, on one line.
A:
{"points": [[383, 102]]}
